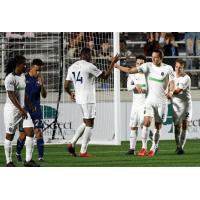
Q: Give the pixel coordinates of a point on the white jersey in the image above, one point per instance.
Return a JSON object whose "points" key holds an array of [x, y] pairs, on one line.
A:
{"points": [[157, 81], [184, 83], [83, 74], [137, 79], [17, 84]]}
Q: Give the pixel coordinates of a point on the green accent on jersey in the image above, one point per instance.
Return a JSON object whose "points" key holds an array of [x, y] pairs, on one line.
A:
{"points": [[169, 120], [143, 85], [20, 88], [156, 80]]}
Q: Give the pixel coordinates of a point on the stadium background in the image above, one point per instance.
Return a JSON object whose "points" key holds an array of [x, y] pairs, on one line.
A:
{"points": [[59, 50]]}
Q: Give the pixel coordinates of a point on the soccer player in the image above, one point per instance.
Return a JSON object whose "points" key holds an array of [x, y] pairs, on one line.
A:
{"points": [[182, 105], [137, 84], [34, 87], [14, 112], [82, 74], [158, 75]]}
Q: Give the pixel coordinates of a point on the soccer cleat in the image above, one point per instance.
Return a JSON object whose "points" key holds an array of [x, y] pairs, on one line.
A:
{"points": [[10, 164], [19, 157], [71, 150], [180, 151], [152, 153], [177, 148], [86, 155], [142, 152], [31, 163], [130, 152], [41, 159]]}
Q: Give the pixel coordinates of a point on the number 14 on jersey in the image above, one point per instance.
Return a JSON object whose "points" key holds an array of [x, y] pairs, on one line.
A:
{"points": [[77, 76]]}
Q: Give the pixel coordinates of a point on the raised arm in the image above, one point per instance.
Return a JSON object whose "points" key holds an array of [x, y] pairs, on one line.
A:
{"points": [[106, 74], [43, 91]]}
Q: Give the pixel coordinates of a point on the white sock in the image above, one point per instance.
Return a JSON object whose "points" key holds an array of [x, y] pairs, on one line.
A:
{"points": [[183, 138], [133, 138], [177, 136], [156, 136], [86, 138], [29, 148], [145, 133], [8, 150], [78, 134]]}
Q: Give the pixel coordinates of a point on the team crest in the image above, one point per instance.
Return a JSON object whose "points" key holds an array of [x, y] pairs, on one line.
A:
{"points": [[162, 73]]}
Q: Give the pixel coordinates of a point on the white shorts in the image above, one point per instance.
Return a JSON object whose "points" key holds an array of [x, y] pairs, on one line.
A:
{"points": [[12, 119], [157, 111], [137, 116], [88, 110], [182, 111]]}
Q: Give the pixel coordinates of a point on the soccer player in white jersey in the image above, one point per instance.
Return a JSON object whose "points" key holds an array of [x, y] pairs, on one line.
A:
{"points": [[137, 84], [182, 105], [82, 74], [14, 113], [158, 75]]}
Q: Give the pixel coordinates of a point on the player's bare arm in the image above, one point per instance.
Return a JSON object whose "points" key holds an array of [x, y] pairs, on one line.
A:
{"points": [[170, 92], [67, 87], [106, 74], [177, 91], [14, 100], [43, 90], [132, 70], [138, 89]]}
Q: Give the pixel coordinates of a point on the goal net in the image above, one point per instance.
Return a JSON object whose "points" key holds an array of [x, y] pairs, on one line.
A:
{"points": [[58, 51]]}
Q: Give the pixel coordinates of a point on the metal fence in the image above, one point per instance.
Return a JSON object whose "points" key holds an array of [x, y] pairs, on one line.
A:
{"points": [[46, 46]]}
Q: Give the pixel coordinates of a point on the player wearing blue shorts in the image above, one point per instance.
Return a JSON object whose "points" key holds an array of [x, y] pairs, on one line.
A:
{"points": [[34, 87]]}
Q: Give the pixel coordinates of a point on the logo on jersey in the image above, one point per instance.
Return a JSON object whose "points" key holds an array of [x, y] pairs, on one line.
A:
{"points": [[162, 73]]}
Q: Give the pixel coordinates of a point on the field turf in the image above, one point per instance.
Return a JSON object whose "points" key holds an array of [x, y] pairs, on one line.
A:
{"points": [[114, 156]]}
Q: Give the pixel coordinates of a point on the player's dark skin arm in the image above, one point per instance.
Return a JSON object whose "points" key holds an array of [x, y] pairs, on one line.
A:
{"points": [[67, 87], [14, 100], [106, 74]]}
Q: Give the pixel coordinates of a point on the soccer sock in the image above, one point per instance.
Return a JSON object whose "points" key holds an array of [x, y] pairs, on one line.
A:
{"points": [[133, 138], [183, 138], [20, 145], [8, 150], [40, 147], [29, 148], [156, 136], [145, 133], [79, 133], [177, 136], [86, 138]]}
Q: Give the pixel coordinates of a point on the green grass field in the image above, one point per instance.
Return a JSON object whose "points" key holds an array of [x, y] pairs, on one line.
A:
{"points": [[114, 156]]}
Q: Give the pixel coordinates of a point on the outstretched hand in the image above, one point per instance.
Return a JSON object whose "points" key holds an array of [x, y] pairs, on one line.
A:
{"points": [[115, 59]]}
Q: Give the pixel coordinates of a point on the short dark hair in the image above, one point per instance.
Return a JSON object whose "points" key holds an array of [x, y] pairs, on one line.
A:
{"points": [[141, 57], [160, 52], [181, 61], [11, 65], [37, 62], [85, 51], [123, 41]]}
